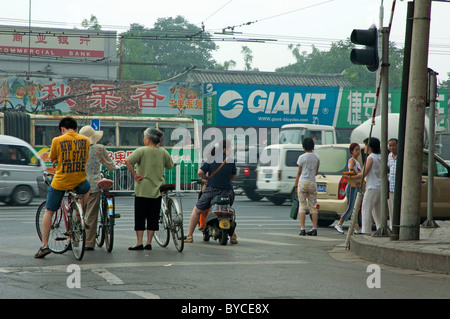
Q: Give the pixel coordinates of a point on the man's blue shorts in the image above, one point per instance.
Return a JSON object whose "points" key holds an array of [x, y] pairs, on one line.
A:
{"points": [[54, 196]]}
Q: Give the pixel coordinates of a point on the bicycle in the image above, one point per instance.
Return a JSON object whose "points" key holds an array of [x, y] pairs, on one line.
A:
{"points": [[170, 219], [106, 214], [68, 223]]}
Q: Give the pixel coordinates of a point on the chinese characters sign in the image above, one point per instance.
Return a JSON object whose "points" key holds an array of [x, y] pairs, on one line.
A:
{"points": [[58, 43], [107, 97], [357, 106]]}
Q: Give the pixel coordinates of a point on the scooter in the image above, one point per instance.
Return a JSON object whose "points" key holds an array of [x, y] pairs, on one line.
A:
{"points": [[220, 223]]}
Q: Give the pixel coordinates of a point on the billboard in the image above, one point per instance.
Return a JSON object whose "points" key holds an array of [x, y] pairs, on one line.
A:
{"points": [[357, 106], [269, 105], [241, 105], [57, 43], [107, 98]]}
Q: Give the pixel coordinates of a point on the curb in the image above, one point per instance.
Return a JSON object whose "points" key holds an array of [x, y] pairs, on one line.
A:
{"points": [[408, 255]]}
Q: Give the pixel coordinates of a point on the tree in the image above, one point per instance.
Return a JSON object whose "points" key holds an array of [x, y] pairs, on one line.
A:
{"points": [[337, 61], [174, 44], [138, 56], [91, 24], [248, 58]]}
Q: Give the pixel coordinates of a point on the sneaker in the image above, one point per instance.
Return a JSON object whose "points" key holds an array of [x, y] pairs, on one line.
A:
{"points": [[42, 252], [339, 229], [302, 232], [189, 240], [357, 232], [312, 232]]}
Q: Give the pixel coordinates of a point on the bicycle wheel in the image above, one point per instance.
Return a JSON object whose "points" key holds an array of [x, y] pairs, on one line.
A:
{"points": [[100, 239], [109, 224], [176, 223], [78, 234], [162, 235], [58, 240]]}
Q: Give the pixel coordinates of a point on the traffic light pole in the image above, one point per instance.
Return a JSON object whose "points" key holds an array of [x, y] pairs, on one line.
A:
{"points": [[412, 174]]}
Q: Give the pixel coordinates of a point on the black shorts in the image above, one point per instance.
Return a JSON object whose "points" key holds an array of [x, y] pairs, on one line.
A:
{"points": [[146, 209], [204, 202]]}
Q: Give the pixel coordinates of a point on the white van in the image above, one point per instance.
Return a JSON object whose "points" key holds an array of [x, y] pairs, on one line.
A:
{"points": [[20, 165], [295, 133], [277, 170]]}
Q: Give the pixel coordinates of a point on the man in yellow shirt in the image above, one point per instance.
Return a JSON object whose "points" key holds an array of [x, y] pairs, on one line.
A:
{"points": [[69, 152]]}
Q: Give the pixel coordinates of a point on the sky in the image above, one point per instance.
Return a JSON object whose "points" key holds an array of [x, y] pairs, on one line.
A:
{"points": [[304, 22]]}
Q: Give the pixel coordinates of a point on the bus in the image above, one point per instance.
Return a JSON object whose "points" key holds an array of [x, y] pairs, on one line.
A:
{"points": [[121, 136]]}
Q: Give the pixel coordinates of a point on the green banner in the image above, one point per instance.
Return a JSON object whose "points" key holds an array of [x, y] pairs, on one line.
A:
{"points": [[357, 104]]}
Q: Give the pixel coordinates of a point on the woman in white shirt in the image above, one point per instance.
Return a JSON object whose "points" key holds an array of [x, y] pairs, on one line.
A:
{"points": [[371, 207], [306, 186]]}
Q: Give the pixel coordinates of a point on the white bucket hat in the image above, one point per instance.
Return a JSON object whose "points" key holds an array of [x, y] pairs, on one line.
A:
{"points": [[93, 135]]}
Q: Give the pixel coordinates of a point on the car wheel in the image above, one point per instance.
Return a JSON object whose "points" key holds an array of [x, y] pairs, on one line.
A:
{"points": [[22, 196], [325, 222], [276, 200], [252, 195]]}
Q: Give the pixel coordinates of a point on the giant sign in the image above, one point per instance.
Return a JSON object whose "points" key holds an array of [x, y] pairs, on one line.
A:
{"points": [[269, 106]]}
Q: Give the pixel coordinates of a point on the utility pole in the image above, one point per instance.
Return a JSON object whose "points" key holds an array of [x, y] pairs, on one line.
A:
{"points": [[417, 87], [395, 222], [384, 230]]}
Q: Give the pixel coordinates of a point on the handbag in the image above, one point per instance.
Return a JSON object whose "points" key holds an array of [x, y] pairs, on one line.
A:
{"points": [[294, 208]]}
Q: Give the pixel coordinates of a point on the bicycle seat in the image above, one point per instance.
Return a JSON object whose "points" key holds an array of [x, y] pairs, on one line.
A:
{"points": [[105, 183], [167, 187]]}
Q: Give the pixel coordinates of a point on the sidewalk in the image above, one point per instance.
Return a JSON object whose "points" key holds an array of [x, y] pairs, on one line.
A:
{"points": [[430, 253]]}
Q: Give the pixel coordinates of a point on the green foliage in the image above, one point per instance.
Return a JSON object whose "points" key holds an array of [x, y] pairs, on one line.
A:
{"points": [[172, 45], [91, 24], [337, 61]]}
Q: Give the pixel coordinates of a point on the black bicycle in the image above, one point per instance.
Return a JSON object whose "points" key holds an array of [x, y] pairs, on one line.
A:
{"points": [[106, 214]]}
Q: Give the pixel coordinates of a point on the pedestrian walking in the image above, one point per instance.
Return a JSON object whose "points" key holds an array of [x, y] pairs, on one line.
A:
{"points": [[150, 159], [306, 186]]}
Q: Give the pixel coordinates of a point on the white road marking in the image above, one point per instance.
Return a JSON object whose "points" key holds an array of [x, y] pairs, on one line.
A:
{"points": [[63, 268], [108, 276], [145, 294]]}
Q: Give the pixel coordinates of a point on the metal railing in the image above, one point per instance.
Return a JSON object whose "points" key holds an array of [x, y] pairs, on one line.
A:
{"points": [[182, 176]]}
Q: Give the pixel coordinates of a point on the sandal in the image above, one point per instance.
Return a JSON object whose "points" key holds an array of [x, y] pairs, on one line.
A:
{"points": [[233, 240], [42, 252], [189, 239]]}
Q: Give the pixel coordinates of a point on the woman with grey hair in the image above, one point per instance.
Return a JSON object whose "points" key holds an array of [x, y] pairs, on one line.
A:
{"points": [[150, 161]]}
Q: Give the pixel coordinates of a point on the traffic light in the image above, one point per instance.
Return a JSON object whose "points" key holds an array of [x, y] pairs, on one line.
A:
{"points": [[369, 55]]}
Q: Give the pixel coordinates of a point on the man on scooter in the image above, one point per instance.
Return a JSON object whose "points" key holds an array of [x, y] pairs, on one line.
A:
{"points": [[221, 172]]}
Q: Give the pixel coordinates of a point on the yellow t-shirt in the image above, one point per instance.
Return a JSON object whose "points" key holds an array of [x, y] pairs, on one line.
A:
{"points": [[72, 152]]}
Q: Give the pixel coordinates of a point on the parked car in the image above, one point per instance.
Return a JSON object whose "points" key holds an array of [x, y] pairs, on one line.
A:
{"points": [[276, 178], [20, 165], [331, 186]]}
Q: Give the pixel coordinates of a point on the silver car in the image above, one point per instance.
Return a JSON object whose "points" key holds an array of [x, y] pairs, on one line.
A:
{"points": [[20, 165]]}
